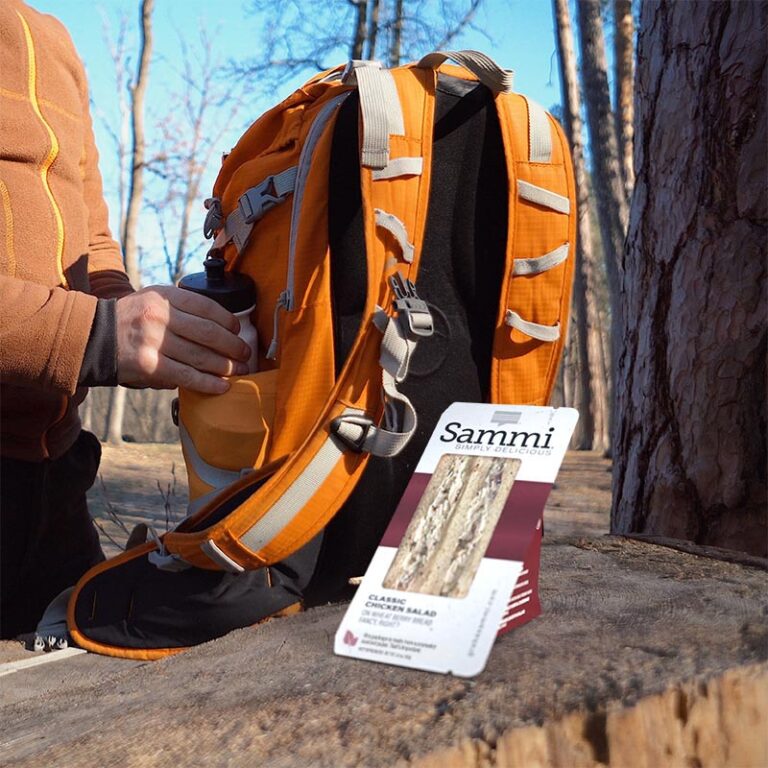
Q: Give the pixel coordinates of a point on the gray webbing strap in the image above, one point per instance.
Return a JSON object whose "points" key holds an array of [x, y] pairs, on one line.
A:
{"points": [[304, 168], [541, 263], [352, 429], [396, 228], [210, 475], [225, 562], [299, 493], [487, 71], [400, 166], [541, 196], [380, 110], [252, 205], [539, 133], [534, 330]]}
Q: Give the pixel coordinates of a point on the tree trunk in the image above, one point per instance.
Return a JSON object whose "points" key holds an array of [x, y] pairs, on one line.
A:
{"points": [[691, 442], [138, 91], [373, 29], [623, 32], [611, 199], [358, 41], [593, 393], [397, 36], [86, 414], [116, 415], [130, 245]]}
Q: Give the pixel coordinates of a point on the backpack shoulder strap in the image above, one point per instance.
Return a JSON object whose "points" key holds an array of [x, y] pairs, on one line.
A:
{"points": [[535, 297]]}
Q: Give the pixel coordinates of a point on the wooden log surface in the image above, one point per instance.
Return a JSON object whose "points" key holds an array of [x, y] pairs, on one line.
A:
{"points": [[623, 620]]}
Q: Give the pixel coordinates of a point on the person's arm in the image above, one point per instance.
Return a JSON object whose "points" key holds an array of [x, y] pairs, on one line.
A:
{"points": [[160, 337], [43, 334]]}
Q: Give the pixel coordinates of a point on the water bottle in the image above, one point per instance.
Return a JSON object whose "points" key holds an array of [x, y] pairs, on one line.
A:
{"points": [[235, 292]]}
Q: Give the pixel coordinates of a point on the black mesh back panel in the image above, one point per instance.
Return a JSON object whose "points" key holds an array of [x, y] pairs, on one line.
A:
{"points": [[462, 265]]}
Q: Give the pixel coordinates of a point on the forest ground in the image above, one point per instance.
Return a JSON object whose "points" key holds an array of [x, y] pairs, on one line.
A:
{"points": [[642, 654]]}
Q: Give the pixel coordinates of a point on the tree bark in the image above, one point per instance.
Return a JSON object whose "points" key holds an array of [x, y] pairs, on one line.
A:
{"points": [[611, 199], [691, 442], [135, 194], [623, 54], [591, 383]]}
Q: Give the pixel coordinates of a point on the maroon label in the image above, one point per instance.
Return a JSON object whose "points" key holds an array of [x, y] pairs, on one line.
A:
{"points": [[517, 524], [519, 520]]}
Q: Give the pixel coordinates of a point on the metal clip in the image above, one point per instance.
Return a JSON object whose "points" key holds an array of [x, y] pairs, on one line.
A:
{"points": [[256, 201], [214, 218], [412, 311]]}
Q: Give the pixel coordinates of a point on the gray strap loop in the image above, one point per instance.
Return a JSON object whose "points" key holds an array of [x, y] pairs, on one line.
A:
{"points": [[400, 166], [545, 197], [539, 133], [226, 563], [534, 330], [396, 228], [380, 110], [543, 263], [396, 350], [487, 71]]}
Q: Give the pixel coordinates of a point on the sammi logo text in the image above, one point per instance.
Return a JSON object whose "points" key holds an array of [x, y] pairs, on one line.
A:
{"points": [[520, 442]]}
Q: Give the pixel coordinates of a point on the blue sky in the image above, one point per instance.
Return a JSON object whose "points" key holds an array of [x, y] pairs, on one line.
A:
{"points": [[520, 37]]}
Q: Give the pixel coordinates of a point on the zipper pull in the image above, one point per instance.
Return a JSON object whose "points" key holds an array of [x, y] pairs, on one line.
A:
{"points": [[283, 302]]}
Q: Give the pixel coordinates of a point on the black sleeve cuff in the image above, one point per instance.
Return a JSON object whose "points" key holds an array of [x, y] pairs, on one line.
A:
{"points": [[99, 368]]}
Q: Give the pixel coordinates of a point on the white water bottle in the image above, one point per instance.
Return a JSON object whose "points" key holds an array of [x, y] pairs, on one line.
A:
{"points": [[235, 292], [250, 336]]}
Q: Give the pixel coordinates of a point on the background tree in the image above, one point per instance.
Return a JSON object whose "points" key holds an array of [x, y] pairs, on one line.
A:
{"points": [[613, 210], [187, 136], [623, 86], [690, 443], [590, 380], [295, 44], [135, 193]]}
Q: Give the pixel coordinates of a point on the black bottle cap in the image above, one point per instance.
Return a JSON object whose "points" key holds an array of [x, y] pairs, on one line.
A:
{"points": [[233, 290]]}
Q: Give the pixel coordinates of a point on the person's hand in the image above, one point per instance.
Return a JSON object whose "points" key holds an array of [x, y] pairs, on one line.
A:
{"points": [[168, 337]]}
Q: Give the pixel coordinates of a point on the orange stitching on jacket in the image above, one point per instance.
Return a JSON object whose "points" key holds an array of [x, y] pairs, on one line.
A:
{"points": [[45, 102], [9, 249], [52, 153]]}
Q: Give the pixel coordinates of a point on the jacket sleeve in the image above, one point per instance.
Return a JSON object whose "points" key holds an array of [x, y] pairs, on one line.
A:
{"points": [[43, 334], [105, 263]]}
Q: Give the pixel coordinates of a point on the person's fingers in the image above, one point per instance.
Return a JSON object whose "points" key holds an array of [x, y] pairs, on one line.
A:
{"points": [[174, 374], [201, 358], [207, 333], [203, 307]]}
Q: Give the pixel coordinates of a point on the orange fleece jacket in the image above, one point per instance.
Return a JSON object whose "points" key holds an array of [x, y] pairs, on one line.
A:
{"points": [[56, 251]]}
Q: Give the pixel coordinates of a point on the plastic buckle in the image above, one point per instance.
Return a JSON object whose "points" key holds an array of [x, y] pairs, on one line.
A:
{"points": [[361, 421], [258, 200], [412, 311]]}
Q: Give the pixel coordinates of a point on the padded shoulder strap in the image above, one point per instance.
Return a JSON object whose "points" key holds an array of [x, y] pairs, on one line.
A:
{"points": [[535, 297]]}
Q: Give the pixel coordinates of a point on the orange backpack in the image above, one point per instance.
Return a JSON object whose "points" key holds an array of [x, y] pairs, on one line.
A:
{"points": [[273, 460]]}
